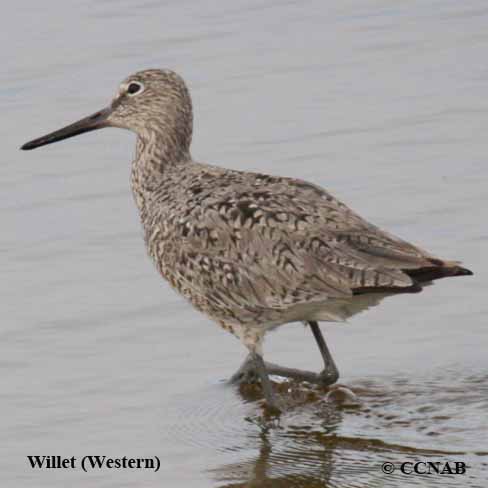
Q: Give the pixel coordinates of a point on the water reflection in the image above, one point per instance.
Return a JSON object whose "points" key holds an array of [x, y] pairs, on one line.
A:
{"points": [[309, 445], [303, 459], [289, 452]]}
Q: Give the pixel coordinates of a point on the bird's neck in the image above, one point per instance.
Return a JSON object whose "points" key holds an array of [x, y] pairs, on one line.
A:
{"points": [[156, 155]]}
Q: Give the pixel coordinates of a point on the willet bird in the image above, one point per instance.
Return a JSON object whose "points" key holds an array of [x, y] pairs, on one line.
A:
{"points": [[250, 250]]}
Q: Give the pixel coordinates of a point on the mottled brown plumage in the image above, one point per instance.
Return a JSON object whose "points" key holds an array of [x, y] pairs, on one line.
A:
{"points": [[249, 250]]}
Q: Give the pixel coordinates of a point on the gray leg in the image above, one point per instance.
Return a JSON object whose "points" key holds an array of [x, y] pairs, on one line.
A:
{"points": [[265, 382], [248, 373], [330, 373]]}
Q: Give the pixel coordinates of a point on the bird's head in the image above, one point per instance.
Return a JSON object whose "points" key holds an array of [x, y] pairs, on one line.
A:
{"points": [[155, 104]]}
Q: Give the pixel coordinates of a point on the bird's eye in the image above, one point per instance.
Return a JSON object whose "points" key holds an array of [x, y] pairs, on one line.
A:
{"points": [[134, 88]]}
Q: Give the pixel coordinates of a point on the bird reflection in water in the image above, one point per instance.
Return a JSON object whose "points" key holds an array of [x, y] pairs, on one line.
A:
{"points": [[333, 440]]}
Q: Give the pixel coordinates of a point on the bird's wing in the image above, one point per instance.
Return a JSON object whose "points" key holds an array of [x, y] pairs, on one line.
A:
{"points": [[376, 246], [280, 243]]}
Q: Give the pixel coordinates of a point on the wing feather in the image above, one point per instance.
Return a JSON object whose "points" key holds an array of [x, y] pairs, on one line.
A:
{"points": [[268, 243]]}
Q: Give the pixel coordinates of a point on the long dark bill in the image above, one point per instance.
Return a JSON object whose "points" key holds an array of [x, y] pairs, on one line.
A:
{"points": [[92, 122]]}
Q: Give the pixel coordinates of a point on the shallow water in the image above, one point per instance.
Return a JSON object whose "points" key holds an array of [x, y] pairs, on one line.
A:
{"points": [[384, 104]]}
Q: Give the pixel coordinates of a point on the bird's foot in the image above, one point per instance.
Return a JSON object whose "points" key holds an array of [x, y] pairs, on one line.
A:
{"points": [[246, 375], [327, 377]]}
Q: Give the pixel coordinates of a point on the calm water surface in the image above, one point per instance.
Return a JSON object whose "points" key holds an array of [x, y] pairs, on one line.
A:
{"points": [[384, 103]]}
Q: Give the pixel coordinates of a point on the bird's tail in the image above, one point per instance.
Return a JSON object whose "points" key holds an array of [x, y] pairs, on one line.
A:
{"points": [[441, 269]]}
